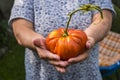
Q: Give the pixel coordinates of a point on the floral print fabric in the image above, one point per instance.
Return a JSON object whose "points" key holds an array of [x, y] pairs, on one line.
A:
{"points": [[47, 15]]}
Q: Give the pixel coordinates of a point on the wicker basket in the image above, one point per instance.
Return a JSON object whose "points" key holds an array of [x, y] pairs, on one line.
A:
{"points": [[109, 49]]}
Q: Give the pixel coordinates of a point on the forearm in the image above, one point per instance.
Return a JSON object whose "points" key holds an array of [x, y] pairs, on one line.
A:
{"points": [[99, 28], [24, 33]]}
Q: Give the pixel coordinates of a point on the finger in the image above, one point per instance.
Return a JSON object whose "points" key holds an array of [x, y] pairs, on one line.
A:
{"points": [[45, 54], [60, 69], [79, 58], [50, 56], [59, 63]]}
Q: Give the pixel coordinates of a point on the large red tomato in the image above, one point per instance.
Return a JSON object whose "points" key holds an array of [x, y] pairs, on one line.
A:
{"points": [[66, 46]]}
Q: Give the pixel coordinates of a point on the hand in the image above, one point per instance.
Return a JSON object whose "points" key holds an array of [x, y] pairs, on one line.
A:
{"points": [[84, 55], [47, 55]]}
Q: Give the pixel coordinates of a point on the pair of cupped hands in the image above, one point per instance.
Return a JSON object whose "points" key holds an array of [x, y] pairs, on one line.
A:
{"points": [[54, 59]]}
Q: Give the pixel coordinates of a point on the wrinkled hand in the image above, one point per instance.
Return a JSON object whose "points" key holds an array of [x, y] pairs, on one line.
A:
{"points": [[47, 55]]}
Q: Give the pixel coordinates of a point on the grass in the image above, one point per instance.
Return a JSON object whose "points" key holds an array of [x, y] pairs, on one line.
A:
{"points": [[113, 76], [116, 20], [12, 64]]}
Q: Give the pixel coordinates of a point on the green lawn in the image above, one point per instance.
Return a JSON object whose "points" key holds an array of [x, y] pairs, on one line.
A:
{"points": [[12, 64], [113, 76]]}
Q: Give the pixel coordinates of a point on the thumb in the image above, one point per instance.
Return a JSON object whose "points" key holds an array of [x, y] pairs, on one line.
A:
{"points": [[39, 43], [90, 42]]}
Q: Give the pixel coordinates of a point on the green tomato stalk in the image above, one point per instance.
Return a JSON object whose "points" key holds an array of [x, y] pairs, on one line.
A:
{"points": [[84, 8]]}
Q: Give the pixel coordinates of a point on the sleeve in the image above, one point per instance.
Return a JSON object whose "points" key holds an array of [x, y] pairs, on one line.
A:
{"points": [[22, 9], [104, 4]]}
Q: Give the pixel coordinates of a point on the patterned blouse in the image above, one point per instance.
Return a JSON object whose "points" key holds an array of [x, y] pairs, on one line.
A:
{"points": [[47, 15]]}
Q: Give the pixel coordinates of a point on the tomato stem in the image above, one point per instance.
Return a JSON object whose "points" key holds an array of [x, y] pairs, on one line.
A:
{"points": [[85, 8]]}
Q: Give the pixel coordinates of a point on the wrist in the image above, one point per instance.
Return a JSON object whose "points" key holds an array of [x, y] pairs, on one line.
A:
{"points": [[90, 34]]}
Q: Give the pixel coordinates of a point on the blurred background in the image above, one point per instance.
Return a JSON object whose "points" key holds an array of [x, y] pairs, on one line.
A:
{"points": [[12, 55]]}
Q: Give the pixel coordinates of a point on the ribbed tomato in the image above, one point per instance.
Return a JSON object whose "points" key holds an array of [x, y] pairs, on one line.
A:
{"points": [[66, 46]]}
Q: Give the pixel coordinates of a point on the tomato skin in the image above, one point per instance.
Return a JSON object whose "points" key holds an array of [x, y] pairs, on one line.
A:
{"points": [[66, 46]]}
